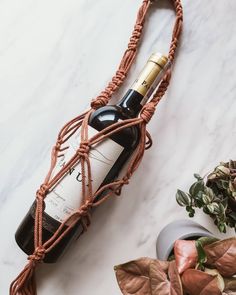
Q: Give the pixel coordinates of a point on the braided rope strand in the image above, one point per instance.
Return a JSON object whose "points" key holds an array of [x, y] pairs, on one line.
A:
{"points": [[126, 60]]}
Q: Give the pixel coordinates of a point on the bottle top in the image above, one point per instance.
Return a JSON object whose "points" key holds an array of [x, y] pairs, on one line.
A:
{"points": [[159, 59], [151, 74]]}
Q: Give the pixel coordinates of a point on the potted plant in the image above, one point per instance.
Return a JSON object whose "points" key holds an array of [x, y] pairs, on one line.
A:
{"points": [[204, 266], [178, 230], [215, 195]]}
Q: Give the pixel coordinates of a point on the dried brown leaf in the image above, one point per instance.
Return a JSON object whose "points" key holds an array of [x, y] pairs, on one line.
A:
{"points": [[165, 282], [175, 281], [133, 277], [196, 282], [222, 255], [147, 276]]}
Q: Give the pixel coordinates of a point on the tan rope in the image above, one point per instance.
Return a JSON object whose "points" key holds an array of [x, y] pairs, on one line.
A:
{"points": [[24, 283]]}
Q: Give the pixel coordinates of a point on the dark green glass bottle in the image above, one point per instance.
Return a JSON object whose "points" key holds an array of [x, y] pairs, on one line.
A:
{"points": [[110, 155]]}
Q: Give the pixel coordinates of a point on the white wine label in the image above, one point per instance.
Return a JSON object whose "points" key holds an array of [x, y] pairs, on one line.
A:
{"points": [[65, 198]]}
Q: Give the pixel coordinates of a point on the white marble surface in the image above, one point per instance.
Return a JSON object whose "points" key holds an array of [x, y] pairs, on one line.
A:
{"points": [[57, 55]]}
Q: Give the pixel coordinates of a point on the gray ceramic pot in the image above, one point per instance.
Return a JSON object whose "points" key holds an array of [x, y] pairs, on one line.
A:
{"points": [[178, 230]]}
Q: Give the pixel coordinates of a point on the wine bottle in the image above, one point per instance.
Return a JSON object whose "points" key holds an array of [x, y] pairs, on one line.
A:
{"points": [[107, 159]]}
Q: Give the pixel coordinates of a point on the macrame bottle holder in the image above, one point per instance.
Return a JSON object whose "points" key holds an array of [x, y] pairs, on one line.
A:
{"points": [[25, 283]]}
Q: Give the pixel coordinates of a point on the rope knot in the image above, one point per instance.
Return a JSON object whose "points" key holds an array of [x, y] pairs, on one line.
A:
{"points": [[147, 112], [137, 30], [121, 74], [38, 255], [83, 210], [83, 149], [57, 146], [135, 37], [126, 180], [41, 192], [117, 191], [99, 102]]}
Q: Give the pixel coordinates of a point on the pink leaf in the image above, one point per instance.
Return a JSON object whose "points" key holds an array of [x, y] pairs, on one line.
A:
{"points": [[185, 255]]}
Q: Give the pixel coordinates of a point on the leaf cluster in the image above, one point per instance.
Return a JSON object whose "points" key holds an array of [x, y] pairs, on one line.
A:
{"points": [[211, 273], [216, 196]]}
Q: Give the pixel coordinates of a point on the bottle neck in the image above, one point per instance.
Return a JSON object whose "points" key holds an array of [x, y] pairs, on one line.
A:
{"points": [[131, 103], [144, 86]]}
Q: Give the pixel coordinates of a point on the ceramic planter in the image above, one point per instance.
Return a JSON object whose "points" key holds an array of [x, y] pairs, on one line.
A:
{"points": [[178, 230]]}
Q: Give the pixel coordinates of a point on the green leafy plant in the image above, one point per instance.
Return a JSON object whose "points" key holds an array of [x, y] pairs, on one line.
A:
{"points": [[205, 266], [215, 195]]}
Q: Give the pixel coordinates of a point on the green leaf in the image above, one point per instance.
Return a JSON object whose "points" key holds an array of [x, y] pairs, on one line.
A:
{"points": [[207, 240], [211, 208], [188, 208], [191, 214], [171, 257], [196, 187], [210, 194], [222, 209], [205, 210], [216, 208], [222, 227], [197, 176], [182, 198], [206, 199], [224, 202], [202, 258], [198, 203], [224, 184]]}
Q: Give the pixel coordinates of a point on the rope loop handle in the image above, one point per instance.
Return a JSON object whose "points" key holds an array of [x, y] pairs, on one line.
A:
{"points": [[25, 283]]}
